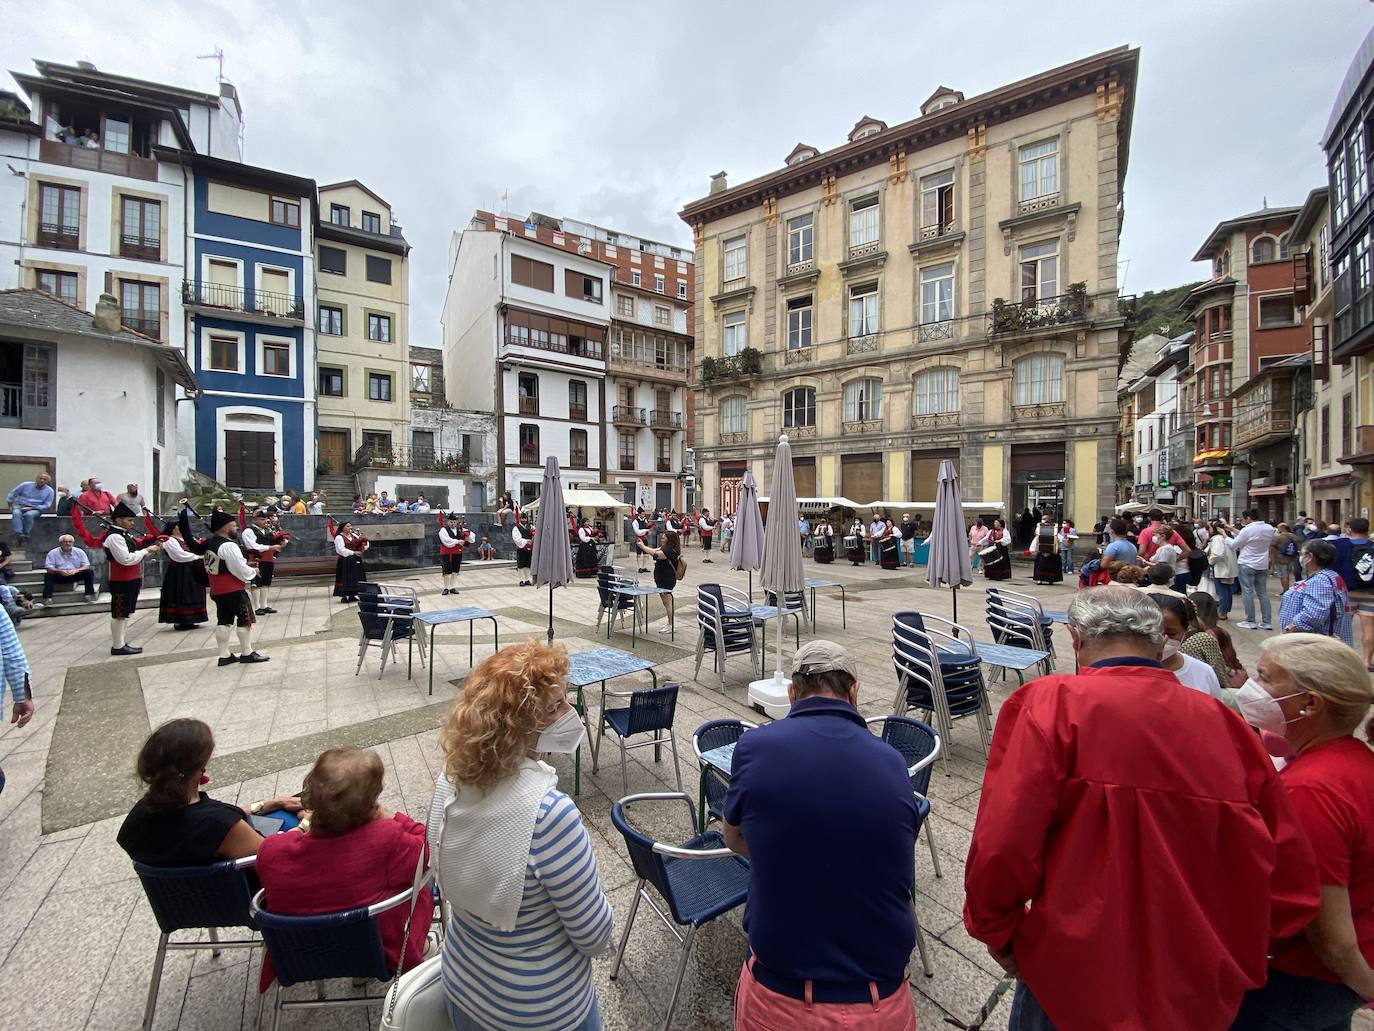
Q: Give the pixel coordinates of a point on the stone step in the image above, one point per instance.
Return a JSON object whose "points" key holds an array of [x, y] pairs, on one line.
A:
{"points": [[71, 603]]}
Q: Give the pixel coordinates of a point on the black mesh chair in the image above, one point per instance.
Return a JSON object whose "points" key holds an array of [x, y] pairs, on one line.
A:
{"points": [[725, 626], [926, 685], [1018, 620], [610, 603], [649, 712], [387, 614], [187, 898], [714, 784], [699, 880]]}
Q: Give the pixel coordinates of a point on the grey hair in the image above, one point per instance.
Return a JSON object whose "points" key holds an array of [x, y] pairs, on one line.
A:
{"points": [[1116, 611]]}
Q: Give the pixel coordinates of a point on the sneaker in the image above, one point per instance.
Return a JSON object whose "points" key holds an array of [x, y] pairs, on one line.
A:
{"points": [[1266, 626], [229, 660], [1245, 624], [255, 656], [92, 599]]}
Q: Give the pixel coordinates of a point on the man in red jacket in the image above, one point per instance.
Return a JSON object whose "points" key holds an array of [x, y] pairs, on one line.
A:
{"points": [[1134, 850]]}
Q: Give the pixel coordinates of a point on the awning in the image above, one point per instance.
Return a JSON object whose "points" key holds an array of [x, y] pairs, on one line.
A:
{"points": [[929, 506], [1269, 492], [584, 499]]}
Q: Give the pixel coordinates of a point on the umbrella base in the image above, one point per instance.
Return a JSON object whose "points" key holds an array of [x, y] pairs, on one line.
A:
{"points": [[770, 697]]}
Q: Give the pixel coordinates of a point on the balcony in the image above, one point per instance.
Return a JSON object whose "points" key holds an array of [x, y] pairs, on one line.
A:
{"points": [[667, 420], [1364, 448], [1042, 313], [426, 458], [809, 430], [861, 344], [627, 462], [797, 356], [577, 413], [584, 348], [664, 465], [934, 420], [735, 437], [938, 230], [138, 247], [935, 331], [1213, 458], [529, 405], [863, 426], [1262, 424], [864, 250], [528, 454], [628, 415], [577, 460], [94, 159], [667, 365], [1039, 412], [142, 322], [59, 237], [749, 362], [255, 305]]}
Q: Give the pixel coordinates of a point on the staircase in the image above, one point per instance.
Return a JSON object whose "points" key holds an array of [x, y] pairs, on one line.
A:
{"points": [[67, 599], [340, 490]]}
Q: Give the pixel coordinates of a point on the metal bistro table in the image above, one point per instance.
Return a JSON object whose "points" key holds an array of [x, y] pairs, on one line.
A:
{"points": [[636, 592], [762, 615], [1010, 657], [598, 665], [719, 759], [466, 615], [1055, 617], [813, 585]]}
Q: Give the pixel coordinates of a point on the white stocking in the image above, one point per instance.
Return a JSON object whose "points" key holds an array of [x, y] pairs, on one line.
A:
{"points": [[116, 633], [262, 598], [222, 639], [245, 646]]}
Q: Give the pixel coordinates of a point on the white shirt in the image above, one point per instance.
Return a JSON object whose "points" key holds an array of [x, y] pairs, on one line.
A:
{"points": [[176, 551], [584, 535], [1199, 676], [517, 537], [639, 529], [317, 508], [250, 540], [231, 558], [340, 548], [118, 546], [1221, 553], [704, 525], [420, 506], [1253, 542]]}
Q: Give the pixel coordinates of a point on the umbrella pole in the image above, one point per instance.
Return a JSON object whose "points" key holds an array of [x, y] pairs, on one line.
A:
{"points": [[751, 587], [550, 613], [955, 595]]}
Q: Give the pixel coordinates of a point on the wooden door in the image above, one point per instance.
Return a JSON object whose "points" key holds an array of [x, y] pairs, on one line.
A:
{"points": [[861, 477], [249, 459], [334, 450], [804, 477]]}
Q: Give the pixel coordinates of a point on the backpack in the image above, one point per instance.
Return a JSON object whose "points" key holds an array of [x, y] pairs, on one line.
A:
{"points": [[681, 568], [1362, 562], [1290, 549]]}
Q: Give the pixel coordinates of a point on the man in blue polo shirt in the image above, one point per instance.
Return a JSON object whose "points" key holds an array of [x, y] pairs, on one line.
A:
{"points": [[824, 810]]}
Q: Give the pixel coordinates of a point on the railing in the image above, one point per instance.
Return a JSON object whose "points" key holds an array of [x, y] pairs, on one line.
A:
{"points": [[749, 362], [864, 250], [735, 437], [934, 420], [576, 412], [628, 414], [671, 420], [1261, 421], [863, 426], [135, 319], [808, 430], [1050, 410], [138, 247], [528, 456], [627, 462], [94, 159], [1041, 203], [11, 400], [529, 405], [669, 364], [799, 268], [936, 231], [797, 356], [62, 237], [731, 285], [577, 460], [236, 298], [1364, 443], [1028, 315], [664, 465], [862, 344], [587, 349], [935, 331], [424, 457]]}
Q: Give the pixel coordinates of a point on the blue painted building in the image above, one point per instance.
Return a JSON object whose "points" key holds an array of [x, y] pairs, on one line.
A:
{"points": [[249, 286]]}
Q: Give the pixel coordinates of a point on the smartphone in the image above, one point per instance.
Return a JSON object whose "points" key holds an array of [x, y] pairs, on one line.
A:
{"points": [[266, 825]]}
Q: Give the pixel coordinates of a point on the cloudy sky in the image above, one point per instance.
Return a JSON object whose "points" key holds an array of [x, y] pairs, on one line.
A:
{"points": [[617, 113]]}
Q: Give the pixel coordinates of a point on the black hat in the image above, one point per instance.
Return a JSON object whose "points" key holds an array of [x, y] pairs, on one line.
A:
{"points": [[260, 513], [451, 517], [123, 511], [168, 525], [219, 520]]}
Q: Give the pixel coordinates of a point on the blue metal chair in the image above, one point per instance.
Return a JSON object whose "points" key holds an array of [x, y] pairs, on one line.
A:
{"points": [[699, 880], [795, 605], [714, 784], [649, 712], [187, 897], [387, 614], [725, 627], [958, 651], [924, 684], [1019, 620], [608, 601], [324, 946]]}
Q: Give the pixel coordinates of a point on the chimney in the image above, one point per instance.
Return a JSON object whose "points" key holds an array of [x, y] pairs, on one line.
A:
{"points": [[718, 183], [106, 318]]}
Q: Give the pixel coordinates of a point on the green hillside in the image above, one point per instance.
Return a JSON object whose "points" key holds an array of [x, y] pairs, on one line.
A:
{"points": [[1157, 312]]}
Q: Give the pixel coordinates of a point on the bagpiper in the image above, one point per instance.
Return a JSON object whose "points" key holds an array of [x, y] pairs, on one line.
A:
{"points": [[349, 570], [126, 554], [184, 580], [230, 577], [586, 564], [453, 538], [706, 526], [522, 536], [262, 543]]}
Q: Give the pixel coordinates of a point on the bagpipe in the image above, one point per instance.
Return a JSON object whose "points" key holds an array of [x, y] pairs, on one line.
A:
{"points": [[107, 525], [275, 538], [354, 542]]}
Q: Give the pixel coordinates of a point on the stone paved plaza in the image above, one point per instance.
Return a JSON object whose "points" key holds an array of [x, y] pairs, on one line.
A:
{"points": [[77, 937]]}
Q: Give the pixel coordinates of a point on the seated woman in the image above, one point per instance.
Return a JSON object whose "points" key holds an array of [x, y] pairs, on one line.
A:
{"points": [[177, 824], [514, 861], [354, 852]]}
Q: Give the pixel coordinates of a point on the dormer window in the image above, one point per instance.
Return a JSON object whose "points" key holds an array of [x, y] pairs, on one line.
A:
{"points": [[801, 152], [866, 127], [942, 98]]}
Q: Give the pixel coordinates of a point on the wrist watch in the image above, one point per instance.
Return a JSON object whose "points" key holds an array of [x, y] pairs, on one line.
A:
{"points": [[256, 808]]}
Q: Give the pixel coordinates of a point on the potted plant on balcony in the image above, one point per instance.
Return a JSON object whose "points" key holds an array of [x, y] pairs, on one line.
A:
{"points": [[528, 451], [708, 370], [750, 361]]}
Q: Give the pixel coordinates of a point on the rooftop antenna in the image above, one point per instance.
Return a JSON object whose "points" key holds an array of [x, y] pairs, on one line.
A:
{"points": [[218, 57]]}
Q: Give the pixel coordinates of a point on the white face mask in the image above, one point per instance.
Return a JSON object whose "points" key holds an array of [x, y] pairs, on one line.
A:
{"points": [[1171, 648], [562, 735], [1260, 709]]}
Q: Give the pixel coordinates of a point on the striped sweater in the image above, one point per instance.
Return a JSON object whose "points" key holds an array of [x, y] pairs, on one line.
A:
{"points": [[537, 977]]}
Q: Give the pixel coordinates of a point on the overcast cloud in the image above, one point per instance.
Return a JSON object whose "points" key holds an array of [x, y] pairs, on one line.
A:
{"points": [[617, 113]]}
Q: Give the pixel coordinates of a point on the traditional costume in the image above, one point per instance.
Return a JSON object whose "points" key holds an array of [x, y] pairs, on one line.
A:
{"points": [[452, 540], [184, 580], [230, 577], [262, 542], [585, 565], [889, 549], [124, 576], [854, 544], [996, 556], [349, 571], [522, 536], [707, 527], [1049, 567], [823, 543]]}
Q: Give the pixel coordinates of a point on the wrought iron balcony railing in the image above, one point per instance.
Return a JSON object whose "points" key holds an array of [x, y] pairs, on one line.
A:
{"points": [[240, 299], [1037, 313]]}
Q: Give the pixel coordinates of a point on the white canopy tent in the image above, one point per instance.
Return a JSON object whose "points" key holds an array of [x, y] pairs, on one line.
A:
{"points": [[821, 504], [583, 499], [1140, 507], [898, 507]]}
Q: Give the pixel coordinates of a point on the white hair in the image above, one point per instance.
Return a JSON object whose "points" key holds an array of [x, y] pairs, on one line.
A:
{"points": [[1116, 611]]}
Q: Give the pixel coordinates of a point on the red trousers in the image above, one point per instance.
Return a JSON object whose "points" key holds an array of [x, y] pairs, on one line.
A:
{"points": [[761, 1009]]}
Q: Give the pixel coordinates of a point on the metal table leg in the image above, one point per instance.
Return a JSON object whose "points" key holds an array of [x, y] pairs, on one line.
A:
{"points": [[431, 658], [844, 622]]}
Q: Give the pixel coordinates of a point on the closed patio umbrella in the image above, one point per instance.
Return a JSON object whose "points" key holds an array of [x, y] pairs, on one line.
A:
{"points": [[746, 549], [949, 563], [782, 554], [551, 562]]}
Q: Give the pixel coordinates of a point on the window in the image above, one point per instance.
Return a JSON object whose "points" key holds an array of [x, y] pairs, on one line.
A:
{"points": [[663, 316], [577, 400], [116, 135], [582, 287], [937, 202], [141, 307], [799, 407], [664, 452], [276, 358], [736, 259], [1277, 311], [736, 339], [1284, 241], [331, 320], [59, 216], [624, 306], [1039, 379], [1324, 254], [378, 269], [1359, 175], [937, 392], [286, 213], [1224, 263], [419, 377], [333, 259], [59, 284], [372, 222], [529, 444], [536, 275], [340, 215], [937, 293], [1039, 164], [682, 289], [634, 277], [863, 310], [733, 417], [863, 221], [379, 328], [331, 382], [627, 450], [1262, 250], [1340, 190], [1039, 271], [1152, 438], [224, 354], [577, 449], [1326, 435], [140, 228], [800, 240], [799, 315], [658, 284], [379, 386], [863, 400]]}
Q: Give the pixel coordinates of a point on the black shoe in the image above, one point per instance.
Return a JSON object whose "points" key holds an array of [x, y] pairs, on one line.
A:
{"points": [[128, 649], [184, 626], [254, 657], [444, 591], [229, 660], [270, 610], [259, 612]]}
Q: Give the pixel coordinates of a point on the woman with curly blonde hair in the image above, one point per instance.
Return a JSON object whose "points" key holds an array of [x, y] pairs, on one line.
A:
{"points": [[514, 860]]}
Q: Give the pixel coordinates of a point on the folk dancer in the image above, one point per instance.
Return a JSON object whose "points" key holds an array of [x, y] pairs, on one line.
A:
{"points": [[349, 570], [706, 526], [184, 581], [262, 542], [996, 553], [854, 543], [126, 554], [587, 559], [640, 526], [453, 538], [230, 576], [823, 538], [522, 536]]}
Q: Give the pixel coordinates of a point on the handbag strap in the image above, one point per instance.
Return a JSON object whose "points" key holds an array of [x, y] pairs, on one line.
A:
{"points": [[394, 992]]}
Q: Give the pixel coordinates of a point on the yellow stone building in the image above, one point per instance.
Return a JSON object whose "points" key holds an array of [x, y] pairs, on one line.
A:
{"points": [[941, 288]]}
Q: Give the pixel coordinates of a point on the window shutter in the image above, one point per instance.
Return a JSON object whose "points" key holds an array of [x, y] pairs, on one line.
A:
{"points": [[39, 411]]}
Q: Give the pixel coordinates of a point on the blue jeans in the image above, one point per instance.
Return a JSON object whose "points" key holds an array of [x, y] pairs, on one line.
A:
{"points": [[1291, 1003], [1226, 593], [1255, 582], [1066, 556], [22, 520], [462, 1022], [1026, 1014]]}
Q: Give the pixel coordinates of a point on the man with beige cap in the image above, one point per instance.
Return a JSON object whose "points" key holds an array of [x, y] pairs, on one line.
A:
{"points": [[820, 786]]}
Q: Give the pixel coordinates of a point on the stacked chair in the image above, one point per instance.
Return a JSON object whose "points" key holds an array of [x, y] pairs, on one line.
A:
{"points": [[939, 674], [387, 614], [725, 627]]}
